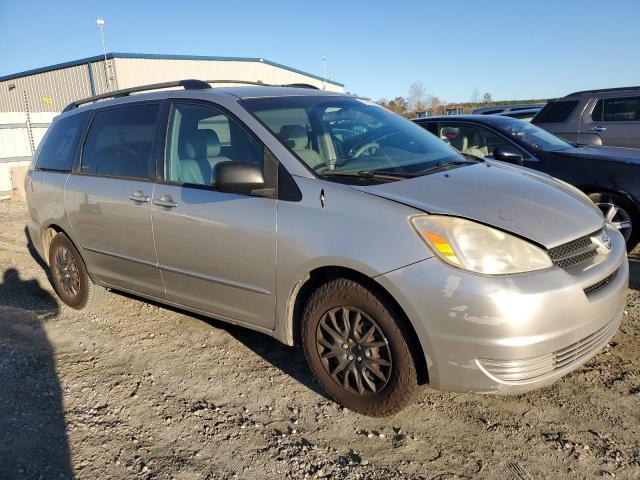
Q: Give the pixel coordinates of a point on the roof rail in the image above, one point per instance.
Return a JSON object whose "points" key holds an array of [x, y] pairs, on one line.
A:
{"points": [[261, 84], [604, 90], [186, 84]]}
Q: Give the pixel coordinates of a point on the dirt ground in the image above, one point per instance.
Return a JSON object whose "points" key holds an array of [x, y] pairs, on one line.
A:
{"points": [[134, 390]]}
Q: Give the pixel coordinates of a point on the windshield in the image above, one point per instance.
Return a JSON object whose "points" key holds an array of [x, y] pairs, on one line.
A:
{"points": [[348, 137], [530, 134]]}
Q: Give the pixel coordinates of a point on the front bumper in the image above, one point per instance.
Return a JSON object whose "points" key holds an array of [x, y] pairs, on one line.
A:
{"points": [[511, 334]]}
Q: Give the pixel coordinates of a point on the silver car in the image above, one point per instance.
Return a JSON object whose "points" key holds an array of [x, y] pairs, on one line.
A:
{"points": [[331, 223]]}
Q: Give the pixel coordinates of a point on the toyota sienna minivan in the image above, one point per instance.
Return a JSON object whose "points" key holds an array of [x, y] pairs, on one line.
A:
{"points": [[328, 222]]}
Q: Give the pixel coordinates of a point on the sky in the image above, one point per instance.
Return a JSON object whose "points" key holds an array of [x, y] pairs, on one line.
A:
{"points": [[511, 49]]}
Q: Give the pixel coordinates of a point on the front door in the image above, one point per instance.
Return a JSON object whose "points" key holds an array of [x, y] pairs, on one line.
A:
{"points": [[108, 199], [216, 251], [617, 121]]}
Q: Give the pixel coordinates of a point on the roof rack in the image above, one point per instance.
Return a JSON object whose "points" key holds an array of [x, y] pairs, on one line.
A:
{"points": [[261, 84], [190, 84], [186, 84], [604, 90]]}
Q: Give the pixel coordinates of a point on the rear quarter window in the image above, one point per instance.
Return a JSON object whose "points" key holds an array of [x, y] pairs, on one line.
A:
{"points": [[556, 112], [61, 143]]}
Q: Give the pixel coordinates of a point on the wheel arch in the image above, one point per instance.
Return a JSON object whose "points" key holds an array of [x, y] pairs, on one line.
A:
{"points": [[320, 275], [51, 230], [589, 189]]}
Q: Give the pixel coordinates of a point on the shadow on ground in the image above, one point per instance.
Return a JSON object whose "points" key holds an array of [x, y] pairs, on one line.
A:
{"points": [[33, 439], [289, 360]]}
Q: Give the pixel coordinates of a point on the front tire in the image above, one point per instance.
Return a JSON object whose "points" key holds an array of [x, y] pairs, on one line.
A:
{"points": [[69, 275], [356, 349], [622, 214]]}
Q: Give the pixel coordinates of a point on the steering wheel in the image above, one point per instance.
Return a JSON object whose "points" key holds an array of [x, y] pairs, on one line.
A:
{"points": [[363, 148]]}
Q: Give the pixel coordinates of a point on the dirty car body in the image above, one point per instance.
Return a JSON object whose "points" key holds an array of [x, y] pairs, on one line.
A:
{"points": [[353, 192]]}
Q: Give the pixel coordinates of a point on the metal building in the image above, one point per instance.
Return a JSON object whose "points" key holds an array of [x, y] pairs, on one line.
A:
{"points": [[29, 100]]}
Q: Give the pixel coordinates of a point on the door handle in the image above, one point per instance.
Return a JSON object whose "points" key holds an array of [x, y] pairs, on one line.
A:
{"points": [[165, 201], [597, 128], [138, 196]]}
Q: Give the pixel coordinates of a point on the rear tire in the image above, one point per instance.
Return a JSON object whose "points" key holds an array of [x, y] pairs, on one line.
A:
{"points": [[626, 213], [69, 275], [357, 350]]}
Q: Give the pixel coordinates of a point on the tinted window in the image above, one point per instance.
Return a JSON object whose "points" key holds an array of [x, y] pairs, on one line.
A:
{"points": [[199, 138], [61, 144], [555, 112], [617, 110], [119, 142]]}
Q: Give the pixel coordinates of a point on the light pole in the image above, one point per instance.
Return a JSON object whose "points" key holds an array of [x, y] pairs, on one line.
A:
{"points": [[100, 23], [324, 73]]}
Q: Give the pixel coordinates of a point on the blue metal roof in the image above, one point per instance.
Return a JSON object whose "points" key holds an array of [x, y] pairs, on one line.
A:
{"points": [[158, 56]]}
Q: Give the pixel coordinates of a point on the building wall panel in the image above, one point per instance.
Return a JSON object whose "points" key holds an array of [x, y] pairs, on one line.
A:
{"points": [[140, 71], [46, 91]]}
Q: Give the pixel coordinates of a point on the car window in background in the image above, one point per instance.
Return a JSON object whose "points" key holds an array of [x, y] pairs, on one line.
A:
{"points": [[529, 134], [471, 139], [555, 112], [337, 134], [59, 148], [617, 110], [119, 142], [199, 138]]}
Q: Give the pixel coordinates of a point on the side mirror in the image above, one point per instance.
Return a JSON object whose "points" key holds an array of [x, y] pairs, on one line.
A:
{"points": [[508, 154], [237, 177]]}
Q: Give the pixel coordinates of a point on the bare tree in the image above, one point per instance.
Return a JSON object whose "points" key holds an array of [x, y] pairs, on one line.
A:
{"points": [[486, 98], [475, 95], [417, 98], [434, 104]]}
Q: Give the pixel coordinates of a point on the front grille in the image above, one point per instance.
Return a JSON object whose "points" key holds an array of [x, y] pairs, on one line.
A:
{"points": [[533, 368], [575, 252], [598, 285]]}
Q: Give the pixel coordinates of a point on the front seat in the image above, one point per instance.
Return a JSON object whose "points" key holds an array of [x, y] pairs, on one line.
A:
{"points": [[200, 153], [295, 136]]}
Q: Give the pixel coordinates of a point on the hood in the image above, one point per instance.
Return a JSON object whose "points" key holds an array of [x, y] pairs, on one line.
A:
{"points": [[617, 154], [515, 199]]}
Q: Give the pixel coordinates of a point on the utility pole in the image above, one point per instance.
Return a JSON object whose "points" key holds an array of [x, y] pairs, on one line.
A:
{"points": [[100, 23]]}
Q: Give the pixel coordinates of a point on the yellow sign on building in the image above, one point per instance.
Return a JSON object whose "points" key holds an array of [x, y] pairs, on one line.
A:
{"points": [[47, 100]]}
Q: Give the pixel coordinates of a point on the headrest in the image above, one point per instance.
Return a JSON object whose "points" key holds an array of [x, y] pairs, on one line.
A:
{"points": [[295, 136], [451, 132], [201, 144]]}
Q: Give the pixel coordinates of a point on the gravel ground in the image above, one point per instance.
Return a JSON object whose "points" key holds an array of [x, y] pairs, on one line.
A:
{"points": [[135, 390]]}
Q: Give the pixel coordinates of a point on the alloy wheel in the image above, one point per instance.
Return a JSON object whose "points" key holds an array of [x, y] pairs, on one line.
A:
{"points": [[66, 272], [354, 350], [618, 217]]}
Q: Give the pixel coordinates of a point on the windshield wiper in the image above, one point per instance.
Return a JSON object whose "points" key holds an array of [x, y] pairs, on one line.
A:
{"points": [[447, 165], [376, 175]]}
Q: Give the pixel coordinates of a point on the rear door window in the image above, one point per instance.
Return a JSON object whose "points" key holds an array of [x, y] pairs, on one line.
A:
{"points": [[61, 144], [120, 142], [617, 110], [556, 112]]}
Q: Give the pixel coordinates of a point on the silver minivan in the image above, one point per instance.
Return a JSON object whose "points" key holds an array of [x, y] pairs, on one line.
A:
{"points": [[328, 222]]}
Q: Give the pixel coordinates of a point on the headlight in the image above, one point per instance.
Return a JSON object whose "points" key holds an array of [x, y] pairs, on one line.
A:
{"points": [[478, 248]]}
